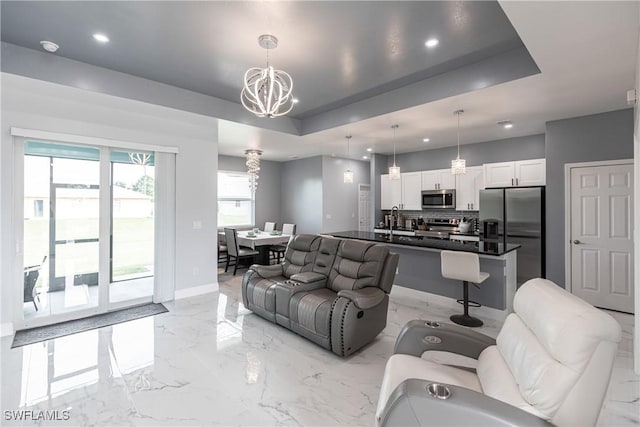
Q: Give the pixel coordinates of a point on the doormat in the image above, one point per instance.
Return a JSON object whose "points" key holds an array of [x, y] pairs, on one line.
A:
{"points": [[44, 333]]}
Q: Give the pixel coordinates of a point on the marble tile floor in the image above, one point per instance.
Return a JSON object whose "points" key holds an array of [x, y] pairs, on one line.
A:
{"points": [[209, 361]]}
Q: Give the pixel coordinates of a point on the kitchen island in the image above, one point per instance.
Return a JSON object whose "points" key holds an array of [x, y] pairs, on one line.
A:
{"points": [[419, 266]]}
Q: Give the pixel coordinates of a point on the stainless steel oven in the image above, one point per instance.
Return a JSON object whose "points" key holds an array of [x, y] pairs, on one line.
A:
{"points": [[439, 199]]}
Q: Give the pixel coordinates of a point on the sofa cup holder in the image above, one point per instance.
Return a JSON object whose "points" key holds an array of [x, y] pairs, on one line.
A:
{"points": [[438, 391], [432, 324]]}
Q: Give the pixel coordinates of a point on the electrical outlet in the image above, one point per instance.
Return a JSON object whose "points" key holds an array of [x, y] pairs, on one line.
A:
{"points": [[328, 216], [197, 225], [196, 271]]}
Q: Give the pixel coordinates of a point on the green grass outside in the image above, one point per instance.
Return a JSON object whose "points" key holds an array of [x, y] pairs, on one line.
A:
{"points": [[132, 245]]}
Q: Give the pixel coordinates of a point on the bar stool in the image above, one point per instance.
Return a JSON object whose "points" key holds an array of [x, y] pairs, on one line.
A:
{"points": [[463, 266]]}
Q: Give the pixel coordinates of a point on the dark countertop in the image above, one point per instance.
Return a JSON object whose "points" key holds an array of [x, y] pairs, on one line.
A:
{"points": [[476, 247]]}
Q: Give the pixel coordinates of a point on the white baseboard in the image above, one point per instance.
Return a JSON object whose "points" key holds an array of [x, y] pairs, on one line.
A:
{"points": [[491, 313], [196, 290], [6, 329]]}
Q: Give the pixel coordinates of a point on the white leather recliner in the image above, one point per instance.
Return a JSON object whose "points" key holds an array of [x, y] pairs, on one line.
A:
{"points": [[551, 363]]}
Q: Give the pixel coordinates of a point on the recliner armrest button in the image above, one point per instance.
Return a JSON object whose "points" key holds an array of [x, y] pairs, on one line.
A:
{"points": [[431, 339]]}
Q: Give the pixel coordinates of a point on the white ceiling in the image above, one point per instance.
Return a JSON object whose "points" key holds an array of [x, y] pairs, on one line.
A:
{"points": [[585, 50]]}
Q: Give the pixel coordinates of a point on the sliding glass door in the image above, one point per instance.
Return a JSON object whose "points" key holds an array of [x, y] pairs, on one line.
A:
{"points": [[132, 225], [69, 214]]}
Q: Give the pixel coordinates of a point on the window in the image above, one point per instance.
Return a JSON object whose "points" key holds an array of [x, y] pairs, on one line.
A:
{"points": [[38, 208], [236, 204]]}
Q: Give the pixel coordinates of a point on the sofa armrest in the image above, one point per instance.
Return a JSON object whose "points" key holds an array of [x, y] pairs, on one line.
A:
{"points": [[287, 289], [308, 277], [411, 404], [442, 337], [267, 271], [364, 298]]}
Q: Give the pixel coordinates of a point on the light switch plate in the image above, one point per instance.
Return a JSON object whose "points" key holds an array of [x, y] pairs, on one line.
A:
{"points": [[197, 225]]}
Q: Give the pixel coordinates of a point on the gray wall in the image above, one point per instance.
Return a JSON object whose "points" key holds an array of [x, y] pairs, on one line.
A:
{"points": [[604, 136], [503, 150], [301, 188], [340, 200], [268, 201]]}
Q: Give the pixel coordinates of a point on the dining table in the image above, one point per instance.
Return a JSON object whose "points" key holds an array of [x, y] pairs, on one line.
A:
{"points": [[261, 241]]}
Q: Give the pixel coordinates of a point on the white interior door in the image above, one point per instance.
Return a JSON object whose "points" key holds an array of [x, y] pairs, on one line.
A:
{"points": [[601, 240], [364, 208]]}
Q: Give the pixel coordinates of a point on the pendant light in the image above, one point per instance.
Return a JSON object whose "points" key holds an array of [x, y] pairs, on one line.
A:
{"points": [[348, 174], [394, 171], [253, 168], [458, 166], [266, 91]]}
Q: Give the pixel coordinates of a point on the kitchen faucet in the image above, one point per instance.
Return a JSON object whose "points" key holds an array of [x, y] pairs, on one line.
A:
{"points": [[396, 216]]}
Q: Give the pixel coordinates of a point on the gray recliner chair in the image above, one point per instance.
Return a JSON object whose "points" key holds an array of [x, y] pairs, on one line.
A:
{"points": [[333, 292]]}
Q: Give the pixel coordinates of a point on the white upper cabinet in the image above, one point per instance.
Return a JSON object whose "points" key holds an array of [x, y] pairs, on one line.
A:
{"points": [[390, 192], [430, 180], [447, 180], [405, 193], [500, 174], [441, 179], [411, 191], [531, 172], [522, 173], [468, 189]]}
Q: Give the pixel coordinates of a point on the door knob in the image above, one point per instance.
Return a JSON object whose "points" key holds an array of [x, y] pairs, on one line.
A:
{"points": [[576, 242]]}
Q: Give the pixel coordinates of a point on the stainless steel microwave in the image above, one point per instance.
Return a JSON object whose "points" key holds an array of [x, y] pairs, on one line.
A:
{"points": [[439, 199]]}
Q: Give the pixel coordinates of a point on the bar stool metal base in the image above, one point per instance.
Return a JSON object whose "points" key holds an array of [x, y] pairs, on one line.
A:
{"points": [[466, 320]]}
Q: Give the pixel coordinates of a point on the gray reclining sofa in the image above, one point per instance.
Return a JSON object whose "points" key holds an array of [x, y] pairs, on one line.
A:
{"points": [[331, 291]]}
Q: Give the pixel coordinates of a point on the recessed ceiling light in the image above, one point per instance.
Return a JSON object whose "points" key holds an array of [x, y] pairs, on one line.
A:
{"points": [[505, 124], [101, 38], [49, 46], [425, 140], [432, 43], [365, 157], [295, 100], [369, 150]]}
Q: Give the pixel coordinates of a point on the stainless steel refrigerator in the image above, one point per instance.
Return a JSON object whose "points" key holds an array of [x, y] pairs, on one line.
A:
{"points": [[520, 214]]}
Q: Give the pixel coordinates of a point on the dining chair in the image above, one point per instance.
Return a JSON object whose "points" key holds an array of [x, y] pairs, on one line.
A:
{"points": [[222, 249], [234, 250], [269, 226], [279, 250]]}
